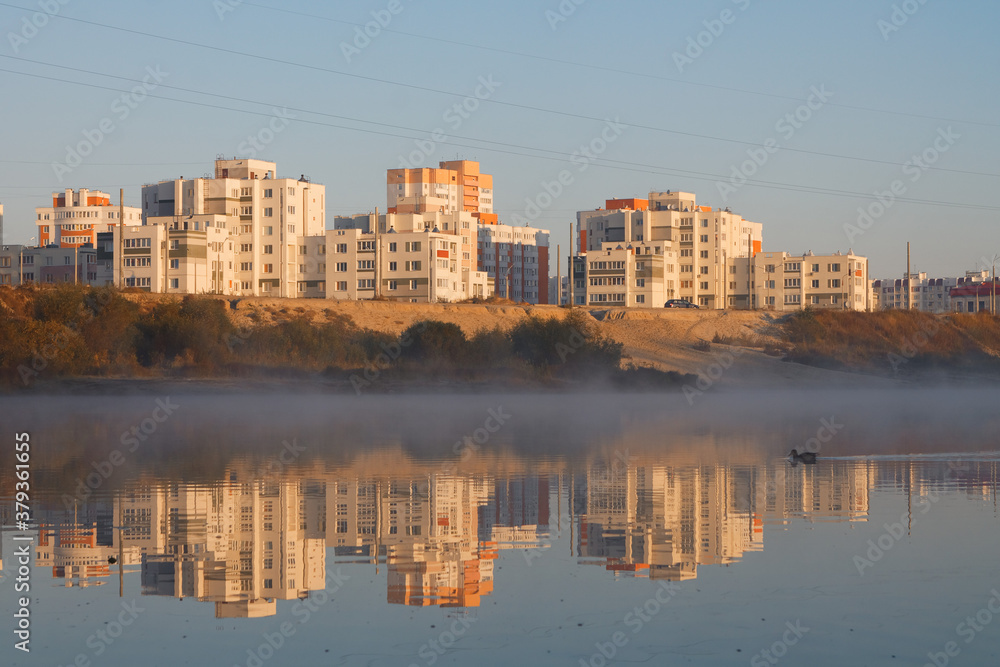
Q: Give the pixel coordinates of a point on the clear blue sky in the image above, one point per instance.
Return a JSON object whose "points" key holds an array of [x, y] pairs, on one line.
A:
{"points": [[894, 93]]}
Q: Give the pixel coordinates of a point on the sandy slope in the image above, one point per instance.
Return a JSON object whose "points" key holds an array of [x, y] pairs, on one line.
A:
{"points": [[662, 339]]}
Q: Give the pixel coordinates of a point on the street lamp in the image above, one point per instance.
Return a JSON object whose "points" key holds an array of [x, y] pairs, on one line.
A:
{"points": [[847, 290]]}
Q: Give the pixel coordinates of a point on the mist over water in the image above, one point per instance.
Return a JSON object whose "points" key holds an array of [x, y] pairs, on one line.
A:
{"points": [[526, 526]]}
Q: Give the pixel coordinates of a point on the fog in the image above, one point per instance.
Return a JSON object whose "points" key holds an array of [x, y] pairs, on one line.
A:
{"points": [[724, 426]]}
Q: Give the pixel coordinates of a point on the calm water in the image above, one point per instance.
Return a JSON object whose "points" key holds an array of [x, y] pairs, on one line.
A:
{"points": [[419, 530]]}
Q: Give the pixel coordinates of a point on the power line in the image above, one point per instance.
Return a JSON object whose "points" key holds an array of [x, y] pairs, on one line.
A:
{"points": [[407, 85], [603, 68], [557, 155], [486, 141]]}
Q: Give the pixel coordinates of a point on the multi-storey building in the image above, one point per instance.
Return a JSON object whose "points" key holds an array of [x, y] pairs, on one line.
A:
{"points": [[929, 295], [640, 275], [425, 257], [266, 217], [196, 255], [780, 281], [704, 240], [516, 260], [76, 218], [455, 186], [978, 297], [49, 265]]}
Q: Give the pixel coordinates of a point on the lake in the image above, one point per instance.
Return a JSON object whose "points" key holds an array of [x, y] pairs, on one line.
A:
{"points": [[302, 528]]}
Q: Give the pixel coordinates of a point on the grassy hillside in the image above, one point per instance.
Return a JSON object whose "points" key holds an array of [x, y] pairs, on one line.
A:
{"points": [[70, 331], [897, 342]]}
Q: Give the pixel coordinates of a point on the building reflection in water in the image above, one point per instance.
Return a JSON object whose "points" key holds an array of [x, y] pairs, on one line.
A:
{"points": [[245, 543]]}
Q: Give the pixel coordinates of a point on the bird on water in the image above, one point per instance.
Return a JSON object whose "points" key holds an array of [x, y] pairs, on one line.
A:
{"points": [[804, 457]]}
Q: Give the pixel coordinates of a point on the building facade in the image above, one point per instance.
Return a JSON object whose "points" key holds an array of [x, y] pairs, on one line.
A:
{"points": [[918, 292], [426, 257], [454, 186], [704, 241], [49, 265], [267, 219], [517, 261], [784, 282], [77, 217]]}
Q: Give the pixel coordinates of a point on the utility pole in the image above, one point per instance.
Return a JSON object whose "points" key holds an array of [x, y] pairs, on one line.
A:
{"points": [[121, 238], [750, 276], [378, 254], [558, 275], [570, 269], [909, 288]]}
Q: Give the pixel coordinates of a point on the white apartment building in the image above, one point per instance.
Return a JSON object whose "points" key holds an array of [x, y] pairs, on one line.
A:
{"points": [[267, 218], [427, 258], [77, 217], [785, 282], [929, 295], [640, 276], [50, 265], [704, 240], [517, 261], [192, 256]]}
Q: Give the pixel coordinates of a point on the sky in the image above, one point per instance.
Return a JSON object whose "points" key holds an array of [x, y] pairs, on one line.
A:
{"points": [[860, 124]]}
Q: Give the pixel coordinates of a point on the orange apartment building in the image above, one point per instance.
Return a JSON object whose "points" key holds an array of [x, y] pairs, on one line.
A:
{"points": [[76, 218]]}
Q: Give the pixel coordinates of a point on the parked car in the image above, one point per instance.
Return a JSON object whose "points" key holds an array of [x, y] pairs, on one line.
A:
{"points": [[680, 303]]}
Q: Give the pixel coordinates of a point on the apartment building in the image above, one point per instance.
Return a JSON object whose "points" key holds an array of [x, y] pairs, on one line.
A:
{"points": [[267, 218], [50, 265], [516, 259], [77, 217], [929, 295], [704, 240], [978, 297], [642, 276], [427, 257], [454, 186], [784, 282], [197, 255]]}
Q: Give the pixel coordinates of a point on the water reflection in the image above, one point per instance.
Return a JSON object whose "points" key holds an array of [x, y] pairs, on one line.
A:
{"points": [[248, 541]]}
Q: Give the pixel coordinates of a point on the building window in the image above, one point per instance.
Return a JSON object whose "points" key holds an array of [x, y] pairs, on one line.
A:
{"points": [[268, 194], [175, 264], [341, 286], [341, 267], [392, 266], [413, 284], [392, 285], [268, 212], [366, 283], [392, 247]]}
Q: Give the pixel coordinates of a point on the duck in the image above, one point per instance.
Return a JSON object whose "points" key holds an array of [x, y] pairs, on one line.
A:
{"points": [[804, 457]]}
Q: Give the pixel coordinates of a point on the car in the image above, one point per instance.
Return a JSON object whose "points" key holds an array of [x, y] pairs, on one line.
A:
{"points": [[680, 303]]}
